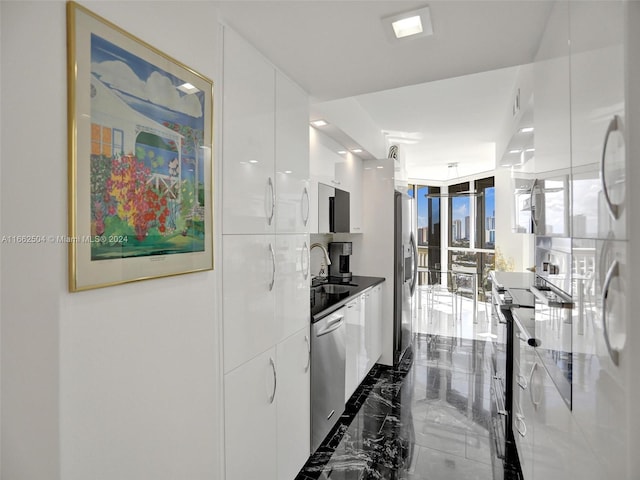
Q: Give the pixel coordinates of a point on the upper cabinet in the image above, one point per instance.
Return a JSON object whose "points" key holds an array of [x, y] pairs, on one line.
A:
{"points": [[248, 198], [340, 171], [293, 206], [552, 117], [598, 119], [266, 146]]}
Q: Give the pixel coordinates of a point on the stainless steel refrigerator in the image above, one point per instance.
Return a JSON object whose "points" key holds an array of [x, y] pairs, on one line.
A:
{"points": [[405, 274]]}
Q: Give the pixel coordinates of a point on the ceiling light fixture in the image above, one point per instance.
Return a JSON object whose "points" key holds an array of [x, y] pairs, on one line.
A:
{"points": [[526, 130], [416, 23], [357, 150], [319, 123], [342, 152]]}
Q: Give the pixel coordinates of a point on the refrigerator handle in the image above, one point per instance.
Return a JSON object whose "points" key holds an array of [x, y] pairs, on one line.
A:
{"points": [[414, 251]]}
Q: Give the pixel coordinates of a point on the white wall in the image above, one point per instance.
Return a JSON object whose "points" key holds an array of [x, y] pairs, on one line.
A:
{"points": [[121, 382]]}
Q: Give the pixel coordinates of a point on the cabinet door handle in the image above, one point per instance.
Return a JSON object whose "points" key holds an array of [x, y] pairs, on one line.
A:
{"points": [[521, 425], [305, 260], [275, 380], [614, 271], [535, 402], [306, 339], [273, 201], [522, 381], [273, 267], [305, 212], [614, 126], [534, 220]]}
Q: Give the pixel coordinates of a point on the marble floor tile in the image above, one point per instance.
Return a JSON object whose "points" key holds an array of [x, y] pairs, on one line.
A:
{"points": [[427, 419]]}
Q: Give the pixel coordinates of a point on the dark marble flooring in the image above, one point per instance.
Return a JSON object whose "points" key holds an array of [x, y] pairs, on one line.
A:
{"points": [[427, 419]]}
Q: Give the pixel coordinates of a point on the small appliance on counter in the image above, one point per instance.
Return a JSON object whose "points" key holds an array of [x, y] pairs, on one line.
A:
{"points": [[339, 253]]}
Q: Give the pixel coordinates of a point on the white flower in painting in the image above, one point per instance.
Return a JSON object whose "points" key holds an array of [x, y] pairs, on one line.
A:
{"points": [[157, 89]]}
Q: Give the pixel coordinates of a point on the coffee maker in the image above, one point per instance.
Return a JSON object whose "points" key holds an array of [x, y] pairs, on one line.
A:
{"points": [[339, 253]]}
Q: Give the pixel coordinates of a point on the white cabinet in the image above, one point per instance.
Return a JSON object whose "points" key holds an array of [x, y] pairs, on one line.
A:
{"points": [[550, 443], [250, 419], [265, 147], [601, 364], [248, 197], [364, 337], [354, 346], [292, 281], [598, 119], [265, 263], [293, 404], [293, 206], [267, 412], [373, 326], [552, 125], [248, 269], [343, 171]]}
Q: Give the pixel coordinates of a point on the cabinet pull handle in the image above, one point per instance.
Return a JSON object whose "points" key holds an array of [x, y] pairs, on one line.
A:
{"points": [[534, 220], [614, 271], [305, 260], [275, 380], [305, 216], [522, 381], [273, 201], [273, 267], [614, 209], [520, 421], [533, 400], [306, 339]]}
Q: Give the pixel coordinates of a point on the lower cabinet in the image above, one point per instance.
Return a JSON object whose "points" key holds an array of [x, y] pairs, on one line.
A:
{"points": [[550, 443], [364, 337], [293, 399], [267, 412], [373, 326], [354, 347]]}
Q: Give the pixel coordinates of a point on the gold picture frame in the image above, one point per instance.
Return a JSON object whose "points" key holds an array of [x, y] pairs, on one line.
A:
{"points": [[140, 132]]}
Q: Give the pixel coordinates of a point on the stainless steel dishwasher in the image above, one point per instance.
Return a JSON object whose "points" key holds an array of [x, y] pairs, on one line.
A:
{"points": [[328, 336]]}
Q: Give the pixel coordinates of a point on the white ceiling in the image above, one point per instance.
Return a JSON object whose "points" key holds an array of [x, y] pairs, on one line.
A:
{"points": [[338, 49]]}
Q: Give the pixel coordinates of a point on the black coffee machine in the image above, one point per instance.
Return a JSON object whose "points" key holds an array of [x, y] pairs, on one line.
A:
{"points": [[339, 253]]}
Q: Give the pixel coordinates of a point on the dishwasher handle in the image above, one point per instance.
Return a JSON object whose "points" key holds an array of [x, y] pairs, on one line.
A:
{"points": [[332, 325]]}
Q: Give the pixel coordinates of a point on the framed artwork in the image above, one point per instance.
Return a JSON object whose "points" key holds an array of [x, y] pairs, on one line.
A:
{"points": [[140, 127]]}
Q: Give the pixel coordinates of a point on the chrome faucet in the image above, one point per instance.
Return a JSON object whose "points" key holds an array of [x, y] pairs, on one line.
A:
{"points": [[326, 255]]}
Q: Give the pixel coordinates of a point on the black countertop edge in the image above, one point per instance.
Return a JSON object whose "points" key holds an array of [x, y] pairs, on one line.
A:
{"points": [[362, 283]]}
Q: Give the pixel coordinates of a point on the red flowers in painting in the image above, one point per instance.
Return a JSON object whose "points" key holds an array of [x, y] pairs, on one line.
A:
{"points": [[138, 203]]}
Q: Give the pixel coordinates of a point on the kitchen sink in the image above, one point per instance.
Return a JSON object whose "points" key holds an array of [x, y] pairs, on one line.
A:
{"points": [[333, 289]]}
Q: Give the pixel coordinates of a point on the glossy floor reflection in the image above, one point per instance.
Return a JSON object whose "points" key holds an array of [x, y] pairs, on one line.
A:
{"points": [[428, 419]]}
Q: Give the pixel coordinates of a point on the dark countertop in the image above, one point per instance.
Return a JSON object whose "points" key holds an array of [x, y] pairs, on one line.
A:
{"points": [[323, 304], [515, 285]]}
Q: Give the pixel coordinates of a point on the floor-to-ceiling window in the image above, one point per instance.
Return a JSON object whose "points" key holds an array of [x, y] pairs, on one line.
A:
{"points": [[471, 236], [428, 230]]}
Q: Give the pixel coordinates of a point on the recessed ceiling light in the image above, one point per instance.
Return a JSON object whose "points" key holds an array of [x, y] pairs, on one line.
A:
{"points": [[319, 123], [187, 88], [416, 23], [529, 150], [342, 152], [253, 161], [288, 171], [515, 151], [526, 130], [406, 27], [357, 150], [379, 166]]}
